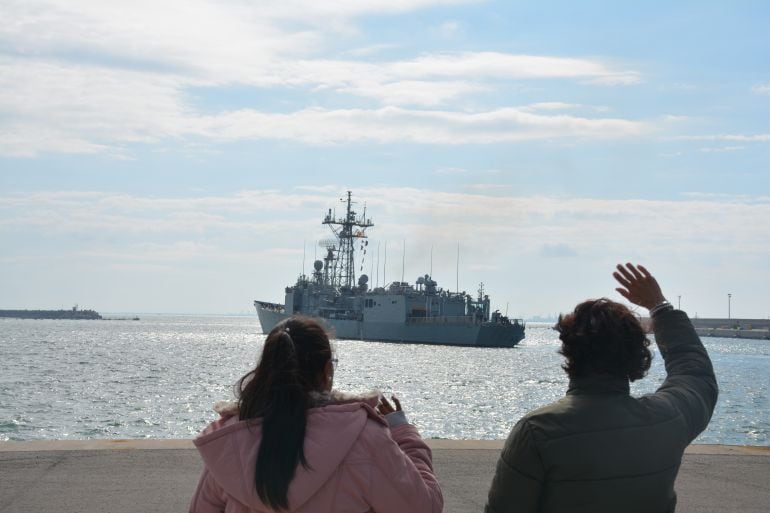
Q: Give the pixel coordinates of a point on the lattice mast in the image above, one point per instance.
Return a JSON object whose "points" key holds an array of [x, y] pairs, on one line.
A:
{"points": [[346, 229]]}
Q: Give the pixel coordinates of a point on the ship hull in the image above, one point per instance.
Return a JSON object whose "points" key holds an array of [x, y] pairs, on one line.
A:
{"points": [[486, 334]]}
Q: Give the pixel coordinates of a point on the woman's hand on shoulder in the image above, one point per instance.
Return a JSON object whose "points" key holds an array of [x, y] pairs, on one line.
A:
{"points": [[393, 416], [384, 407]]}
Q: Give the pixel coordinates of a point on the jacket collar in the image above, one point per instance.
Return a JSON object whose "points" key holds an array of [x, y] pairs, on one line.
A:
{"points": [[598, 384]]}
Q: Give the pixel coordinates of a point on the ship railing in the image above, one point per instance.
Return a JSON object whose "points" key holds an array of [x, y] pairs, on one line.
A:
{"points": [[459, 319], [274, 307]]}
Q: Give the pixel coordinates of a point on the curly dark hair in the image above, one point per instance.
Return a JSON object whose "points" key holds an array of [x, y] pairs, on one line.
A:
{"points": [[603, 337]]}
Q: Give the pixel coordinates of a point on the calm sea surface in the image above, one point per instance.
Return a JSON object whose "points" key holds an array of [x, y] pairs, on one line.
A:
{"points": [[158, 377]]}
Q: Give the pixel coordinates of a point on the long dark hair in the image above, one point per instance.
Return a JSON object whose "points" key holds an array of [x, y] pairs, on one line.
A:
{"points": [[278, 391], [603, 337]]}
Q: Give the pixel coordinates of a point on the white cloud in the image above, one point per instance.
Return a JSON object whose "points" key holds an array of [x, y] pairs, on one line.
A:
{"points": [[498, 65], [675, 118], [432, 79], [30, 140], [366, 51], [143, 252], [726, 137], [249, 243], [682, 86], [241, 214], [310, 10], [413, 92], [725, 197], [253, 43], [85, 109], [392, 124], [175, 36], [452, 171], [448, 29], [185, 223], [722, 149], [89, 109], [551, 106], [488, 187], [557, 250], [463, 171], [181, 31], [761, 89], [95, 77]]}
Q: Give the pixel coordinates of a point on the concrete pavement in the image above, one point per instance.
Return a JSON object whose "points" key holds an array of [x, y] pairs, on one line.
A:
{"points": [[129, 476]]}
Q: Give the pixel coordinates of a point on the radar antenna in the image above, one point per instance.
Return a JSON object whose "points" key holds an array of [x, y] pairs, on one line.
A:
{"points": [[346, 229]]}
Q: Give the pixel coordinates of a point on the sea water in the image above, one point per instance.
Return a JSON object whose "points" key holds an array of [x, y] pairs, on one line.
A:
{"points": [[158, 378]]}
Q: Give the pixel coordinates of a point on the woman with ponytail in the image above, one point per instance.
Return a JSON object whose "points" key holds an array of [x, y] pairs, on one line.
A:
{"points": [[291, 444]]}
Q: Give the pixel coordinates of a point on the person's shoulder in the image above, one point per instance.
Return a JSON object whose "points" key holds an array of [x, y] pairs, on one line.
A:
{"points": [[354, 408], [371, 437], [547, 421], [339, 404], [376, 426], [344, 415], [228, 415], [659, 405], [557, 408]]}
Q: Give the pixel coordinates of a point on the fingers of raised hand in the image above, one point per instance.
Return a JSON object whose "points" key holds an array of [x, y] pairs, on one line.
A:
{"points": [[621, 270], [622, 279], [624, 293], [397, 402], [384, 407], [631, 267]]}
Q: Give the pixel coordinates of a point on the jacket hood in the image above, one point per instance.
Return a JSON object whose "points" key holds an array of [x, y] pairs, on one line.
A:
{"points": [[229, 447]]}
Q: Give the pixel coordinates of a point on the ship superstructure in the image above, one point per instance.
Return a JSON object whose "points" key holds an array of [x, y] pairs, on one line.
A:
{"points": [[400, 312]]}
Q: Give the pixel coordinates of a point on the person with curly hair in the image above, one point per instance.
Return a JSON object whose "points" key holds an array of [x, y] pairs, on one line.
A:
{"points": [[599, 449]]}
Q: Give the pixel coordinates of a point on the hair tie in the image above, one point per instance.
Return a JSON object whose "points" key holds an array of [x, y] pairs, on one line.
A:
{"points": [[287, 332]]}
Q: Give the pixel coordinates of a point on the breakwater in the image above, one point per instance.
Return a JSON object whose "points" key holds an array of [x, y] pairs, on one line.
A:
{"points": [[758, 329], [73, 313]]}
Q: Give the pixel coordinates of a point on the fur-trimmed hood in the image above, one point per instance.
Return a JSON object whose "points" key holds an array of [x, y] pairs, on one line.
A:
{"points": [[372, 398]]}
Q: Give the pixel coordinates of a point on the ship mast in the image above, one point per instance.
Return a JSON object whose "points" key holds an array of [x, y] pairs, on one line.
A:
{"points": [[346, 229]]}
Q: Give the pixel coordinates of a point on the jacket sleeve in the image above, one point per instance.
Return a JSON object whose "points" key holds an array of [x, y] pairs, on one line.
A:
{"points": [[402, 478], [520, 474], [690, 383], [208, 497]]}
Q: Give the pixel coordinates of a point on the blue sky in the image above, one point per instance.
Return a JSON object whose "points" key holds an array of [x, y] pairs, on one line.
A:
{"points": [[174, 157]]}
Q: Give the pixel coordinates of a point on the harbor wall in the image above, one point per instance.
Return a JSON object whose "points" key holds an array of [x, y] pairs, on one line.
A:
{"points": [[733, 328], [126, 476], [51, 314]]}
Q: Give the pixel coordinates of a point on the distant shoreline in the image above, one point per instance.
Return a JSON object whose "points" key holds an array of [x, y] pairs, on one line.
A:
{"points": [[755, 329], [73, 314]]}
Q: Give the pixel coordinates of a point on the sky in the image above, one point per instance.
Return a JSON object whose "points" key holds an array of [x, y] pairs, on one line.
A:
{"points": [[179, 156]]}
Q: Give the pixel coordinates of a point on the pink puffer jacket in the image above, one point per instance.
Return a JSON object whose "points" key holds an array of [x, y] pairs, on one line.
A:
{"points": [[358, 465]]}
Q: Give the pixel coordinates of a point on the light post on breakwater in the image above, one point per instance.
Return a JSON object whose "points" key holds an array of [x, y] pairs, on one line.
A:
{"points": [[729, 297], [679, 302]]}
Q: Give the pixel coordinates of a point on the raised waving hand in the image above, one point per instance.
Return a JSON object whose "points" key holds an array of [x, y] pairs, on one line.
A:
{"points": [[638, 285]]}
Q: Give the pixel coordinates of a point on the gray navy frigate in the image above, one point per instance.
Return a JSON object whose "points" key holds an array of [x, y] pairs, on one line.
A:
{"points": [[422, 313]]}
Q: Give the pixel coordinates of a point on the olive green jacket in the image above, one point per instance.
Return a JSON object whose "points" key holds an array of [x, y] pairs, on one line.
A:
{"points": [[600, 450]]}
